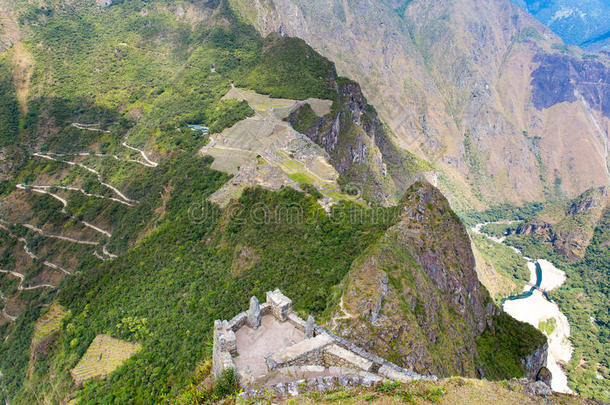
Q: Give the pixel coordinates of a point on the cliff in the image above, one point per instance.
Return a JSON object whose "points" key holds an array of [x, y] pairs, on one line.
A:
{"points": [[415, 298], [361, 147]]}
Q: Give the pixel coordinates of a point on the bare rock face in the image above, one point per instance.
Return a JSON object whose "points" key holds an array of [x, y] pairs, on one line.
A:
{"points": [[534, 365], [561, 78], [414, 297], [362, 148], [544, 375]]}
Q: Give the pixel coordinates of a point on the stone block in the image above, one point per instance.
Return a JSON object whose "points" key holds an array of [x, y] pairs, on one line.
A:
{"points": [[281, 306], [254, 313], [309, 327], [311, 368], [394, 375], [308, 351], [265, 309], [230, 342], [238, 321], [338, 356], [297, 321]]}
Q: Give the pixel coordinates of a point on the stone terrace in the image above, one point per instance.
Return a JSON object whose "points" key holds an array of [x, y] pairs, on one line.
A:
{"points": [[272, 348]]}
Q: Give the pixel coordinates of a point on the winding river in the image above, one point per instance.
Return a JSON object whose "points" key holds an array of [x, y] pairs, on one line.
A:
{"points": [[534, 307]]}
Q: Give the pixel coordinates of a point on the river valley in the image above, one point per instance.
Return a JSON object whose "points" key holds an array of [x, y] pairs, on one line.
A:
{"points": [[534, 307]]}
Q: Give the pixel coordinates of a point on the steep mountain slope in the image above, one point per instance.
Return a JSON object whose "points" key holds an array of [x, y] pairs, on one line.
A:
{"points": [[455, 80], [577, 22], [418, 276], [84, 145]]}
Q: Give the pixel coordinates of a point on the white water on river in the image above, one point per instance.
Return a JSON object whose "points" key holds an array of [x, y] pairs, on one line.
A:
{"points": [[536, 308]]}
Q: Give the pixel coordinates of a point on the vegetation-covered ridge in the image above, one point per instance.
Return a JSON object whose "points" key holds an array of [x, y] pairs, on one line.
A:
{"points": [[100, 138], [418, 276], [97, 158]]}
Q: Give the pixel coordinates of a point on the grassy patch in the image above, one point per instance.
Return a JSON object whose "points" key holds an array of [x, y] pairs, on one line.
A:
{"points": [[548, 326], [48, 323], [302, 178], [305, 119], [104, 355]]}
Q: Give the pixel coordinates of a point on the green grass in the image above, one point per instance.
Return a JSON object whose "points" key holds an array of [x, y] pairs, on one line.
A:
{"points": [[302, 178], [547, 327]]}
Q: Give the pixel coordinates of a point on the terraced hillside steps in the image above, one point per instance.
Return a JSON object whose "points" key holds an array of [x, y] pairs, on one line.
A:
{"points": [[265, 150], [277, 348], [104, 355], [48, 323]]}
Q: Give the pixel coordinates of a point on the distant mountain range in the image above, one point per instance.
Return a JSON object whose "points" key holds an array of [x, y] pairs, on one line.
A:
{"points": [[577, 22], [480, 89]]}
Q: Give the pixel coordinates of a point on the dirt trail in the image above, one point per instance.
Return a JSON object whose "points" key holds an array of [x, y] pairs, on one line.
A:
{"points": [[66, 238], [346, 315], [33, 256], [99, 176], [42, 191], [20, 287], [95, 228], [107, 253], [9, 317], [88, 127], [101, 155], [21, 277], [80, 190], [150, 162]]}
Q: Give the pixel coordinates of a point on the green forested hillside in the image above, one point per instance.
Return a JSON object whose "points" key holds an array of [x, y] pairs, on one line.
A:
{"points": [[9, 111], [96, 110], [182, 276]]}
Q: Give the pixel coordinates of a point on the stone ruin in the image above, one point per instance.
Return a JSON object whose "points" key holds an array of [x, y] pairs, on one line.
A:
{"points": [[274, 350]]}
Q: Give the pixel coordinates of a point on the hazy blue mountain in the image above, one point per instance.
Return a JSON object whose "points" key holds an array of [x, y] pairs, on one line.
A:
{"points": [[578, 22]]}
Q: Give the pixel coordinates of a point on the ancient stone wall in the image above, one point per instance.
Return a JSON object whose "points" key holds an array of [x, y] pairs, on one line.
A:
{"points": [[320, 349]]}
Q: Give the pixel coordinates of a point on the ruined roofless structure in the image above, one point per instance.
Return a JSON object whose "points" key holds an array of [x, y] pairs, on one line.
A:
{"points": [[271, 347]]}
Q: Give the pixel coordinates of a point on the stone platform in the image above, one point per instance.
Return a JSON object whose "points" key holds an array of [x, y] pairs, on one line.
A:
{"points": [[271, 347]]}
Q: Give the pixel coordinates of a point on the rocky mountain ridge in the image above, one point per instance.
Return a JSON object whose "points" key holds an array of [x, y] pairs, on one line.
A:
{"points": [[421, 275], [362, 147]]}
